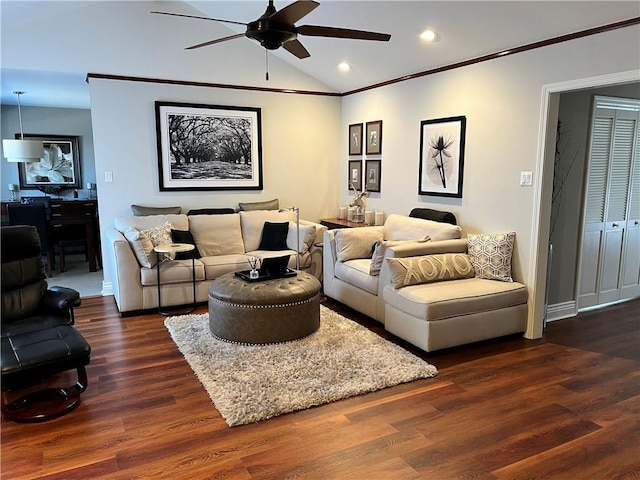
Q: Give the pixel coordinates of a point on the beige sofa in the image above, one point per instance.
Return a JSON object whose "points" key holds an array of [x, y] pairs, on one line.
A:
{"points": [[225, 243], [431, 314]]}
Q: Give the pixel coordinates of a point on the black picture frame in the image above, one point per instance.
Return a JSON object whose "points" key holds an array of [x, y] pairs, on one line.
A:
{"points": [[373, 175], [59, 168], [441, 168], [354, 175], [355, 139], [208, 147], [374, 137]]}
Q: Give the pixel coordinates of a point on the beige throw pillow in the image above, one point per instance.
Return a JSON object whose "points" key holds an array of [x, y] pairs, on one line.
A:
{"points": [[491, 254], [429, 268], [354, 243], [141, 246], [307, 236], [381, 249]]}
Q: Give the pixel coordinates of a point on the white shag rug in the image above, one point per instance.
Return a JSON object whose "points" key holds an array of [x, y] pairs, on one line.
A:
{"points": [[252, 383]]}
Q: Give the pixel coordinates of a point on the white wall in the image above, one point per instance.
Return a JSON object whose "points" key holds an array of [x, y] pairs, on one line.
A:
{"points": [[300, 149], [50, 121], [502, 102]]}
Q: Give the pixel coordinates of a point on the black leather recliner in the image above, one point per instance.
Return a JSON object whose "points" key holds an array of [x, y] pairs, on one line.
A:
{"points": [[37, 339]]}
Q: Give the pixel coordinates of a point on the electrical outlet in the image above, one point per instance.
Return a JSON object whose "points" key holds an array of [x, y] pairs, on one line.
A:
{"points": [[526, 179]]}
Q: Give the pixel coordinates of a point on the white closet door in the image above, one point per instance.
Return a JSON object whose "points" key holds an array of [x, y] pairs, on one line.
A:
{"points": [[610, 253], [630, 274], [595, 202]]}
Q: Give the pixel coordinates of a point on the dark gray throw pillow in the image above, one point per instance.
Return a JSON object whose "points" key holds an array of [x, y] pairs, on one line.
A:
{"points": [[274, 236], [185, 236]]}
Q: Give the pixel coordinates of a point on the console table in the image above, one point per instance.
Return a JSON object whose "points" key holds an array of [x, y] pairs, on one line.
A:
{"points": [[332, 223], [73, 212]]}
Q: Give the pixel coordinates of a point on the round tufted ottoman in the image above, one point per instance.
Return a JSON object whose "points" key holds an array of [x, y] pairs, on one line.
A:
{"points": [[270, 311]]}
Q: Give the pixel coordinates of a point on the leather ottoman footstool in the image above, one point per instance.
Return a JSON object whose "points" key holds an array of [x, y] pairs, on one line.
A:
{"points": [[270, 311]]}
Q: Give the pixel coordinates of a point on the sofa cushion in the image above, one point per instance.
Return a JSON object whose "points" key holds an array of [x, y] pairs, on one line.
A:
{"points": [[356, 242], [177, 271], [429, 268], [217, 234], [491, 255], [220, 264], [440, 300], [252, 223], [140, 210], [141, 246], [179, 222], [400, 227], [185, 236], [356, 272], [266, 205], [307, 237], [380, 249], [274, 236]]}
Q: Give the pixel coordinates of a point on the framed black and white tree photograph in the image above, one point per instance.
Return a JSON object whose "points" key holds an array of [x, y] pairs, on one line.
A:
{"points": [[442, 156], [208, 147]]}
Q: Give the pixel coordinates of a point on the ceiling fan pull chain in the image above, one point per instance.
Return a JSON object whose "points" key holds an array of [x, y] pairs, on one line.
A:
{"points": [[266, 59]]}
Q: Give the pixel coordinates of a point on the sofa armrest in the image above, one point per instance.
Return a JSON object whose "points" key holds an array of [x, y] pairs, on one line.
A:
{"points": [[316, 249], [125, 272]]}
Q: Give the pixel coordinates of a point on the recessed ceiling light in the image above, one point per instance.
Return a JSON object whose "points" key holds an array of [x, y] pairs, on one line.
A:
{"points": [[429, 36], [344, 67]]}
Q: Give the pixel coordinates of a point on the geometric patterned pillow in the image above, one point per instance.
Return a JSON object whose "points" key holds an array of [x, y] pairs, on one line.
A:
{"points": [[491, 254], [161, 235]]}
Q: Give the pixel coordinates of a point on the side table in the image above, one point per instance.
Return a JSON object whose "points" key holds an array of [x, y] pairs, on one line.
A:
{"points": [[175, 248], [332, 223]]}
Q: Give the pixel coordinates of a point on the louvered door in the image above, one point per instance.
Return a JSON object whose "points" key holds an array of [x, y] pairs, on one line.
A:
{"points": [[610, 254], [630, 272]]}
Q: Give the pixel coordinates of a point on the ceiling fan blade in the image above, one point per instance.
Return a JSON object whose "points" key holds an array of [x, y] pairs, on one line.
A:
{"points": [[294, 12], [318, 31], [295, 47], [217, 40], [201, 18]]}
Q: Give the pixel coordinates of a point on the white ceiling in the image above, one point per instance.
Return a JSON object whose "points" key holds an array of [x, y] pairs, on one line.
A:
{"points": [[48, 47]]}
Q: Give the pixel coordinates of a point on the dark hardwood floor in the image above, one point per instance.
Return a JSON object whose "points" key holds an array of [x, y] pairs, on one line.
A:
{"points": [[562, 407]]}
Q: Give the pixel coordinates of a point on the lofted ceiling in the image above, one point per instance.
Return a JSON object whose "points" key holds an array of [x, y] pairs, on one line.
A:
{"points": [[48, 47]]}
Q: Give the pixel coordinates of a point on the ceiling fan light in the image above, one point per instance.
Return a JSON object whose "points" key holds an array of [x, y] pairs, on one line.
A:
{"points": [[429, 36], [22, 150]]}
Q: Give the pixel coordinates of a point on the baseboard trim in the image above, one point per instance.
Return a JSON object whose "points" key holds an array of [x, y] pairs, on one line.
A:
{"points": [[561, 310], [107, 289]]}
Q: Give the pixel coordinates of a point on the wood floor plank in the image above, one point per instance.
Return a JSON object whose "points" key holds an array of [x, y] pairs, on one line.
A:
{"points": [[565, 406]]}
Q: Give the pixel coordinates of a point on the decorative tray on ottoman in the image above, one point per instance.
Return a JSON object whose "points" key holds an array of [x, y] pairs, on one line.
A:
{"points": [[262, 276]]}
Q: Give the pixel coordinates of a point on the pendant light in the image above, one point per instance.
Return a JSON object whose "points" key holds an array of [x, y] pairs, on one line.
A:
{"points": [[22, 150]]}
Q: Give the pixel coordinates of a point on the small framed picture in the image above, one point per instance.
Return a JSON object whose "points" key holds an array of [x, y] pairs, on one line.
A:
{"points": [[372, 171], [374, 137], [355, 174], [355, 139]]}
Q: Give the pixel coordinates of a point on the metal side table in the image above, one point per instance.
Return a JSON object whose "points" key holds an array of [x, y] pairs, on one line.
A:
{"points": [[175, 248]]}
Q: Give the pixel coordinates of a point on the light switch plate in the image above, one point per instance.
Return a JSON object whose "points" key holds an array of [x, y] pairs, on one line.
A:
{"points": [[526, 179], [108, 177]]}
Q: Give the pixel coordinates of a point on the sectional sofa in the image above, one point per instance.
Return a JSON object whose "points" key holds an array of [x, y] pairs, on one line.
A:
{"points": [[224, 243], [425, 283]]}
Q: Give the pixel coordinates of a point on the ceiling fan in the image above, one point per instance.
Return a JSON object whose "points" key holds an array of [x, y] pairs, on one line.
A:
{"points": [[276, 28]]}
